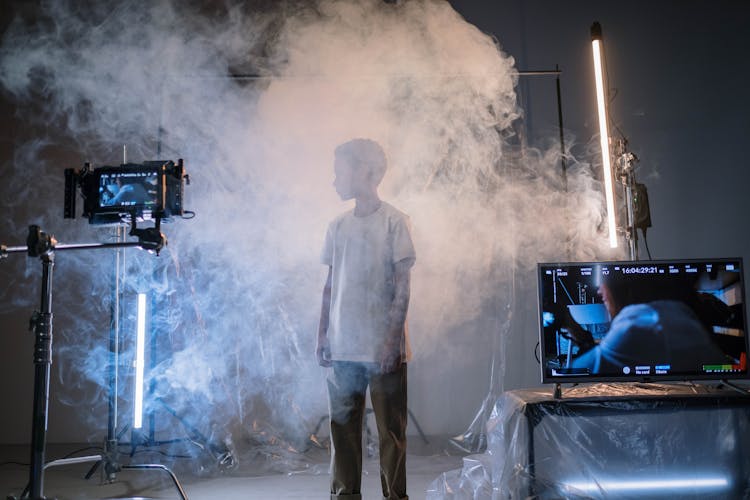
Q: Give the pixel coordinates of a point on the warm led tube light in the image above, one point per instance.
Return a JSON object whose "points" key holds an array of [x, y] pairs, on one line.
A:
{"points": [[601, 102]]}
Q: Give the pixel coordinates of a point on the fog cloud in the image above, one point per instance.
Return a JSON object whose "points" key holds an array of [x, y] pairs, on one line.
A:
{"points": [[236, 296]]}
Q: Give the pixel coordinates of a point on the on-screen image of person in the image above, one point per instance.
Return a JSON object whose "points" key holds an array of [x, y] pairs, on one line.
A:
{"points": [[108, 191], [362, 335], [654, 322], [131, 193]]}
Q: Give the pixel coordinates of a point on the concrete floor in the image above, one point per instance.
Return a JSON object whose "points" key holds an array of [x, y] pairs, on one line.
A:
{"points": [[252, 479]]}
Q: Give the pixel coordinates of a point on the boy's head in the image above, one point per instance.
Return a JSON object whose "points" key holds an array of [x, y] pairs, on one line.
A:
{"points": [[360, 165]]}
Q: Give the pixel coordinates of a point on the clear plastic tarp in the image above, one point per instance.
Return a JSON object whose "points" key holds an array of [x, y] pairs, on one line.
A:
{"points": [[610, 441]]}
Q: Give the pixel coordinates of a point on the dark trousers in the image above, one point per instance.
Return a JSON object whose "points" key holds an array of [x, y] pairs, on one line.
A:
{"points": [[347, 385]]}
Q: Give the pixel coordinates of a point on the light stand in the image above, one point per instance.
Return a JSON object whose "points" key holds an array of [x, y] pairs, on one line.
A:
{"points": [[635, 198], [625, 169], [109, 460], [43, 245]]}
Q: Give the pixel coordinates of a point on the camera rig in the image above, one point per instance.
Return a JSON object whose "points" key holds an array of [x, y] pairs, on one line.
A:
{"points": [[152, 190], [130, 193]]}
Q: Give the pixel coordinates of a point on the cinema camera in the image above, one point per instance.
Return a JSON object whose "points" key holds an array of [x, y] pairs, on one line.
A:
{"points": [[151, 190]]}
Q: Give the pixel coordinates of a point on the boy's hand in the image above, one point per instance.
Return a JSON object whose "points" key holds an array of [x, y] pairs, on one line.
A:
{"points": [[390, 359], [323, 352], [562, 319]]}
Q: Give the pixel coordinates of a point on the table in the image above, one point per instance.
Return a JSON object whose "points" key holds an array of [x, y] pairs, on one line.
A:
{"points": [[622, 441]]}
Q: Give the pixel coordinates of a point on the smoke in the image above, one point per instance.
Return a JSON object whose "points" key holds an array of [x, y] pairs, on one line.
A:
{"points": [[236, 296]]}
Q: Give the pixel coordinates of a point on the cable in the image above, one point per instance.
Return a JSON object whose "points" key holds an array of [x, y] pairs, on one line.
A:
{"points": [[645, 242], [536, 355], [62, 458], [99, 448], [162, 453], [155, 451]]}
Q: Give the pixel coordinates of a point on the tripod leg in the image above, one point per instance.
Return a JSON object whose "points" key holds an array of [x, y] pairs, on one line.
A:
{"points": [[416, 424], [92, 470]]}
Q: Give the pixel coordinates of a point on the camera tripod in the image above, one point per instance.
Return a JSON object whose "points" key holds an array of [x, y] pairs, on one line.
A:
{"points": [[43, 245]]}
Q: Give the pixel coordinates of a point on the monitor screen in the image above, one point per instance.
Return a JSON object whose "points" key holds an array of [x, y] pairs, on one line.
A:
{"points": [[124, 189], [642, 321]]}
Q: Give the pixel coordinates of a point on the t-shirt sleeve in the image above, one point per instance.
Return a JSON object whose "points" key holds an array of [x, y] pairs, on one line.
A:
{"points": [[403, 247], [326, 256]]}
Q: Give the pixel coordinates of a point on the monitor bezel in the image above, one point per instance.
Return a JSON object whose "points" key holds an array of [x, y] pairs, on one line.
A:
{"points": [[597, 378]]}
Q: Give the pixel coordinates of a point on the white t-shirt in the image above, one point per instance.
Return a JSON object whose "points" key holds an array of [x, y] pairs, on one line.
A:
{"points": [[362, 252]]}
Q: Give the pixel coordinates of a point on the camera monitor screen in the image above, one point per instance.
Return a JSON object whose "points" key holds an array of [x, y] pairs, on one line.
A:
{"points": [[641, 321], [135, 189]]}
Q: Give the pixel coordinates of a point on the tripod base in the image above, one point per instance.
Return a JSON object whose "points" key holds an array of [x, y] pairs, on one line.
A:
{"points": [[162, 468], [102, 460]]}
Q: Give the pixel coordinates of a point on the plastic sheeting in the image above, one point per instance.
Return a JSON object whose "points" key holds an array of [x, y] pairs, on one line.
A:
{"points": [[610, 441]]}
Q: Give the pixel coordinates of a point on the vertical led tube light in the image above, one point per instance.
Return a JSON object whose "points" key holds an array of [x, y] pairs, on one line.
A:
{"points": [[140, 341], [601, 101]]}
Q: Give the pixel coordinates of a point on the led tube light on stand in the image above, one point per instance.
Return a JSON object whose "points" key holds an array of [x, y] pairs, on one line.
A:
{"points": [[601, 100]]}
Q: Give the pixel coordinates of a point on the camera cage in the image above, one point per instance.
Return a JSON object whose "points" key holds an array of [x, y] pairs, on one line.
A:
{"points": [[152, 190]]}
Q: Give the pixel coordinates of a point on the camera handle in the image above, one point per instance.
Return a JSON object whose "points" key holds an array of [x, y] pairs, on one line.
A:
{"points": [[43, 245]]}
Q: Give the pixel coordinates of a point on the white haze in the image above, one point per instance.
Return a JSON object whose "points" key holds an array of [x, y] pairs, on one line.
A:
{"points": [[238, 290]]}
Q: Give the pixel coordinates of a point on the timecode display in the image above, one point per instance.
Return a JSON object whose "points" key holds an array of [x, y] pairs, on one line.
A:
{"points": [[640, 270]]}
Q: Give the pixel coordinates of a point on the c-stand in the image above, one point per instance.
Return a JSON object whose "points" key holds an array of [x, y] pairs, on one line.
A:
{"points": [[636, 199], [624, 163], [43, 245]]}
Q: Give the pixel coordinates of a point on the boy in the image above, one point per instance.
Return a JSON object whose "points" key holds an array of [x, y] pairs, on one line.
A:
{"points": [[362, 333]]}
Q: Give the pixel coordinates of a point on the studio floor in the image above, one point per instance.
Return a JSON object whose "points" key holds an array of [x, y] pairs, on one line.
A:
{"points": [[304, 477]]}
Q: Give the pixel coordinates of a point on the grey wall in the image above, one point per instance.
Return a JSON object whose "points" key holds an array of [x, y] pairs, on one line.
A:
{"points": [[680, 100], [681, 77]]}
